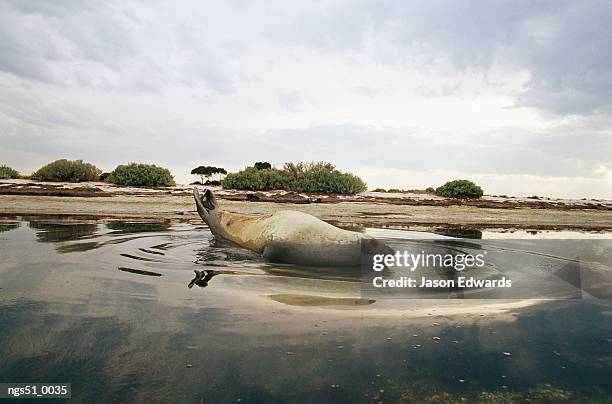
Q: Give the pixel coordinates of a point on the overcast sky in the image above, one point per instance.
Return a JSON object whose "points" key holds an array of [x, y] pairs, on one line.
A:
{"points": [[516, 95]]}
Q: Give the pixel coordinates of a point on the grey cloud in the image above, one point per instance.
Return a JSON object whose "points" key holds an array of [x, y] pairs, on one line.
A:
{"points": [[563, 45], [108, 46]]}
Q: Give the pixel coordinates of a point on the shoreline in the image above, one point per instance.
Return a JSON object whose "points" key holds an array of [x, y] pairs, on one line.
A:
{"points": [[103, 189], [369, 209]]}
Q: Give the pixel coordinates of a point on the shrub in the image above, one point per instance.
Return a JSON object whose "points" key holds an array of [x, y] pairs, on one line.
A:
{"points": [[104, 176], [301, 177], [322, 177], [68, 171], [459, 189], [257, 180], [134, 174], [7, 172]]}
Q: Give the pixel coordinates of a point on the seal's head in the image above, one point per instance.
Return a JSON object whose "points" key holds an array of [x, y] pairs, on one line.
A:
{"points": [[208, 208]]}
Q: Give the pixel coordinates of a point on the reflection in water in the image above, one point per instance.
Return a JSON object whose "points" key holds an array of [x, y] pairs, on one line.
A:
{"points": [[139, 271], [459, 232], [262, 332], [306, 300], [54, 232], [67, 231], [8, 226], [131, 227], [201, 278]]}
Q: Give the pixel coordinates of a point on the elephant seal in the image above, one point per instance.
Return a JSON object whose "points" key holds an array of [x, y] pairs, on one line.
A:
{"points": [[287, 236]]}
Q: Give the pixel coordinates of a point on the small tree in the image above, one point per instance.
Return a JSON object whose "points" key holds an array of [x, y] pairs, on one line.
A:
{"points": [[202, 171], [207, 172], [262, 165], [221, 171]]}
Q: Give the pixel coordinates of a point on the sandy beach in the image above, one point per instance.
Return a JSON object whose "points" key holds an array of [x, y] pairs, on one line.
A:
{"points": [[368, 209]]}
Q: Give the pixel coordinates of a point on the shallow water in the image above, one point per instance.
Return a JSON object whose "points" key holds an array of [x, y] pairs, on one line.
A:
{"points": [[108, 308]]}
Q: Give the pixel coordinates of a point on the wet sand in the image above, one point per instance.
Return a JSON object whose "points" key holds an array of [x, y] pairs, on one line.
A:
{"points": [[370, 209]]}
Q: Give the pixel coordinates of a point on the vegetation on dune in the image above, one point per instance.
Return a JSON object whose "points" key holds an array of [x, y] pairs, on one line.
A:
{"points": [[257, 180], [67, 171], [428, 190], [298, 177], [459, 189], [135, 174], [7, 172], [322, 177], [103, 176]]}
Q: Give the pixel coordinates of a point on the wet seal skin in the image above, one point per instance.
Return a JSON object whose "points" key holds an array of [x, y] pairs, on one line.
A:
{"points": [[286, 236]]}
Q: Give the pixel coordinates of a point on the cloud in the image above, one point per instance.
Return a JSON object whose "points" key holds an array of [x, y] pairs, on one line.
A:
{"points": [[562, 46], [110, 47], [478, 88]]}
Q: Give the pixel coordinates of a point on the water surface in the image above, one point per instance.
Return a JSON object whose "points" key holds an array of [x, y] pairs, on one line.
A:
{"points": [[107, 307]]}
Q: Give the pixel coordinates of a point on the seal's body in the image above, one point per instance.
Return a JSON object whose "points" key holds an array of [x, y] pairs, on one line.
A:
{"points": [[287, 236]]}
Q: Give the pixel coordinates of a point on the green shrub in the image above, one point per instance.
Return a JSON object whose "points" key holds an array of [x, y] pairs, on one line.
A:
{"points": [[134, 174], [7, 172], [67, 171], [459, 189], [301, 177], [322, 177], [104, 176], [257, 180]]}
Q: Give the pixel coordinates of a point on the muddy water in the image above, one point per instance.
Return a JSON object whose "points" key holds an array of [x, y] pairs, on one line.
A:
{"points": [[108, 307]]}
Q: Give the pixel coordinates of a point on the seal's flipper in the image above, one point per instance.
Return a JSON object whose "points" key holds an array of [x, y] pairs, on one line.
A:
{"points": [[200, 205], [207, 200]]}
